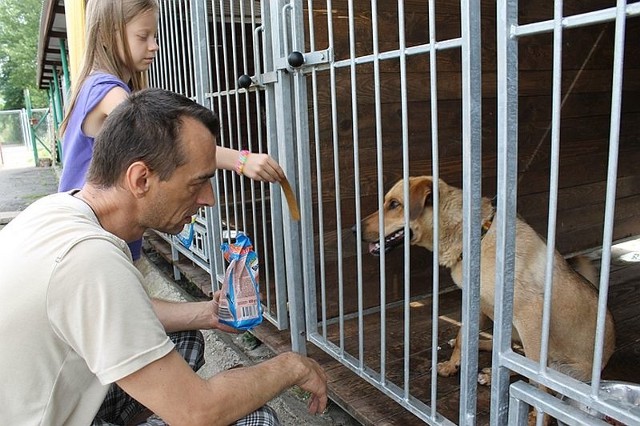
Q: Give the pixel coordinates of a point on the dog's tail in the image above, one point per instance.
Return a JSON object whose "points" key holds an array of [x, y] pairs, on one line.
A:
{"points": [[583, 265]]}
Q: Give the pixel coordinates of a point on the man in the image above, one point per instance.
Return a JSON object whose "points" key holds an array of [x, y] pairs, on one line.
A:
{"points": [[74, 317]]}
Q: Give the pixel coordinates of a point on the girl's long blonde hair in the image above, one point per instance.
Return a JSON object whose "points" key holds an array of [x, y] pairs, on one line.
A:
{"points": [[106, 22]]}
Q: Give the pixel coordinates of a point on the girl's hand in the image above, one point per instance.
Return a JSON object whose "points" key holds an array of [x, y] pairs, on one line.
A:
{"points": [[263, 168]]}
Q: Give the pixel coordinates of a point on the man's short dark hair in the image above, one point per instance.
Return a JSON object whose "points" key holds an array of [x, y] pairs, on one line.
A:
{"points": [[145, 127]]}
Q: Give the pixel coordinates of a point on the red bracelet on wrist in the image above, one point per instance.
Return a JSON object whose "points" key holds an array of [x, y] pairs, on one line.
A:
{"points": [[242, 159]]}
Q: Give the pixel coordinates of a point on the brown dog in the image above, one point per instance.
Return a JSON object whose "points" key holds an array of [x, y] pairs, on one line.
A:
{"points": [[574, 301]]}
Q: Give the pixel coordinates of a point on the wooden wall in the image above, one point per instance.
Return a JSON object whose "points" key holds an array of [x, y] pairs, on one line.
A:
{"points": [[586, 80]]}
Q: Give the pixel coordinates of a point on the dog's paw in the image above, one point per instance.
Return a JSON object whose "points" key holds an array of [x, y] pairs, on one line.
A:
{"points": [[484, 376], [447, 368]]}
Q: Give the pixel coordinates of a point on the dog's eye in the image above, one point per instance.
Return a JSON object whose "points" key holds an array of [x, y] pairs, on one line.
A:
{"points": [[393, 205]]}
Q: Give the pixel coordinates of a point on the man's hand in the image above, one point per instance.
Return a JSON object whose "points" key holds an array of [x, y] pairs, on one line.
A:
{"points": [[314, 382], [213, 308]]}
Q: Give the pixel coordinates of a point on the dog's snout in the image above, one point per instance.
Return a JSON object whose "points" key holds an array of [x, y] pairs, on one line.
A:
{"points": [[354, 228]]}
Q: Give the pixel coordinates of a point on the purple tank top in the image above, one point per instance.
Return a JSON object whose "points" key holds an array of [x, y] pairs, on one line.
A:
{"points": [[77, 148]]}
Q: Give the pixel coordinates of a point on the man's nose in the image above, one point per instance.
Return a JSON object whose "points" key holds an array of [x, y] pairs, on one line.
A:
{"points": [[206, 197]]}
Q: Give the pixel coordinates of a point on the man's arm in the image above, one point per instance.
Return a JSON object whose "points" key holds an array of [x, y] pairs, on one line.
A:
{"points": [[183, 316], [170, 389]]}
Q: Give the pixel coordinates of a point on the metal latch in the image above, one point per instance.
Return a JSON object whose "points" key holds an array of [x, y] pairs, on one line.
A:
{"points": [[295, 61]]}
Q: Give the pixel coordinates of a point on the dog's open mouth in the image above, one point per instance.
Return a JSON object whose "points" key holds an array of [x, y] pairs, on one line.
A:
{"points": [[391, 241]]}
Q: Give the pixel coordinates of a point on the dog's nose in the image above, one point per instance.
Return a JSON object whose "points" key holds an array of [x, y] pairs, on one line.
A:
{"points": [[354, 229]]}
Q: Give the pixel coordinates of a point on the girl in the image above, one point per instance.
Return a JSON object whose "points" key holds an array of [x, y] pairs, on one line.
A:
{"points": [[121, 45]]}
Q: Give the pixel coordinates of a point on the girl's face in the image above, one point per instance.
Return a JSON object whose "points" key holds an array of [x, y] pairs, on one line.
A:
{"points": [[141, 35]]}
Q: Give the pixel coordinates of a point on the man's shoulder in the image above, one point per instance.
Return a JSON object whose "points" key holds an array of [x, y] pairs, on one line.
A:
{"points": [[61, 220]]}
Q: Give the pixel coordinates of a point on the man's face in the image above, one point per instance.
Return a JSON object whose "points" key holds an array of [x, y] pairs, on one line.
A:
{"points": [[173, 202]]}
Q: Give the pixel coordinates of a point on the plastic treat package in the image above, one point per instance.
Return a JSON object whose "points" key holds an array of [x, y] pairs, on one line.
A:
{"points": [[239, 305]]}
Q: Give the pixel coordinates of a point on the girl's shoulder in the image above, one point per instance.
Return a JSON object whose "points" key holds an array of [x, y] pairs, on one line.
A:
{"points": [[100, 77]]}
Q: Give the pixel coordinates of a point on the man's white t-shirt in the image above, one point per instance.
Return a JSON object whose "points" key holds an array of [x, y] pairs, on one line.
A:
{"points": [[74, 316]]}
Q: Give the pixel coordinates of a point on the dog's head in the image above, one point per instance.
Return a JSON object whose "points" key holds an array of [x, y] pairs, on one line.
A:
{"points": [[420, 205]]}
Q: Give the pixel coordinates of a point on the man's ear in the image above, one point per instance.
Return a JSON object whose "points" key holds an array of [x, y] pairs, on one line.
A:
{"points": [[137, 178], [420, 196]]}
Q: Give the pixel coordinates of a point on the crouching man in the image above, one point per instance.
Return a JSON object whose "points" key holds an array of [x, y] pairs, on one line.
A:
{"points": [[75, 321]]}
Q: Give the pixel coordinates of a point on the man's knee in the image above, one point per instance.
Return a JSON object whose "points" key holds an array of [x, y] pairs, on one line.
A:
{"points": [[190, 345]]}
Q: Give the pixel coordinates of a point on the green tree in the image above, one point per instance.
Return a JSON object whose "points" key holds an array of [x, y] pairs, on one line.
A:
{"points": [[19, 29]]}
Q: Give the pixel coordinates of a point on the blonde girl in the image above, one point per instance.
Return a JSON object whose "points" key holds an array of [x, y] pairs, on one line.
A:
{"points": [[121, 38]]}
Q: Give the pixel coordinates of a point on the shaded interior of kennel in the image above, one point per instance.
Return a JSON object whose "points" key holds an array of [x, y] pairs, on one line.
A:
{"points": [[584, 130]]}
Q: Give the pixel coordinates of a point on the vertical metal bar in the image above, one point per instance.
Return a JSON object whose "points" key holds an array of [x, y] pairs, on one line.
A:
{"points": [[356, 175], [556, 108], [156, 66], [248, 125], [201, 86], [222, 137], [270, 53], [201, 76], [505, 220], [27, 102], [380, 175], [178, 76], [171, 56], [471, 205], [286, 132], [227, 96], [311, 311], [186, 60], [236, 96], [257, 59], [191, 53], [65, 73], [226, 134], [614, 139], [405, 196], [435, 172], [336, 166], [518, 411], [304, 172], [169, 71]]}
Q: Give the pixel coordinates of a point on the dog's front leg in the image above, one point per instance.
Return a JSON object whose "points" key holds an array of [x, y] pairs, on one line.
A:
{"points": [[451, 367]]}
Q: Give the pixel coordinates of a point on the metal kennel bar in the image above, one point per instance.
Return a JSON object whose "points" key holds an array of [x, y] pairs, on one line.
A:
{"points": [[505, 360]]}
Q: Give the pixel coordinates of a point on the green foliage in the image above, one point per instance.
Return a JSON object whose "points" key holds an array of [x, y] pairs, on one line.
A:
{"points": [[19, 32]]}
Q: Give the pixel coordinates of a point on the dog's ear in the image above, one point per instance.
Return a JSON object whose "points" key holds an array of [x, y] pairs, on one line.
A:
{"points": [[420, 196]]}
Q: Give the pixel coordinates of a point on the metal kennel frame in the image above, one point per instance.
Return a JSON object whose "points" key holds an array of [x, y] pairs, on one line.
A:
{"points": [[300, 100]]}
